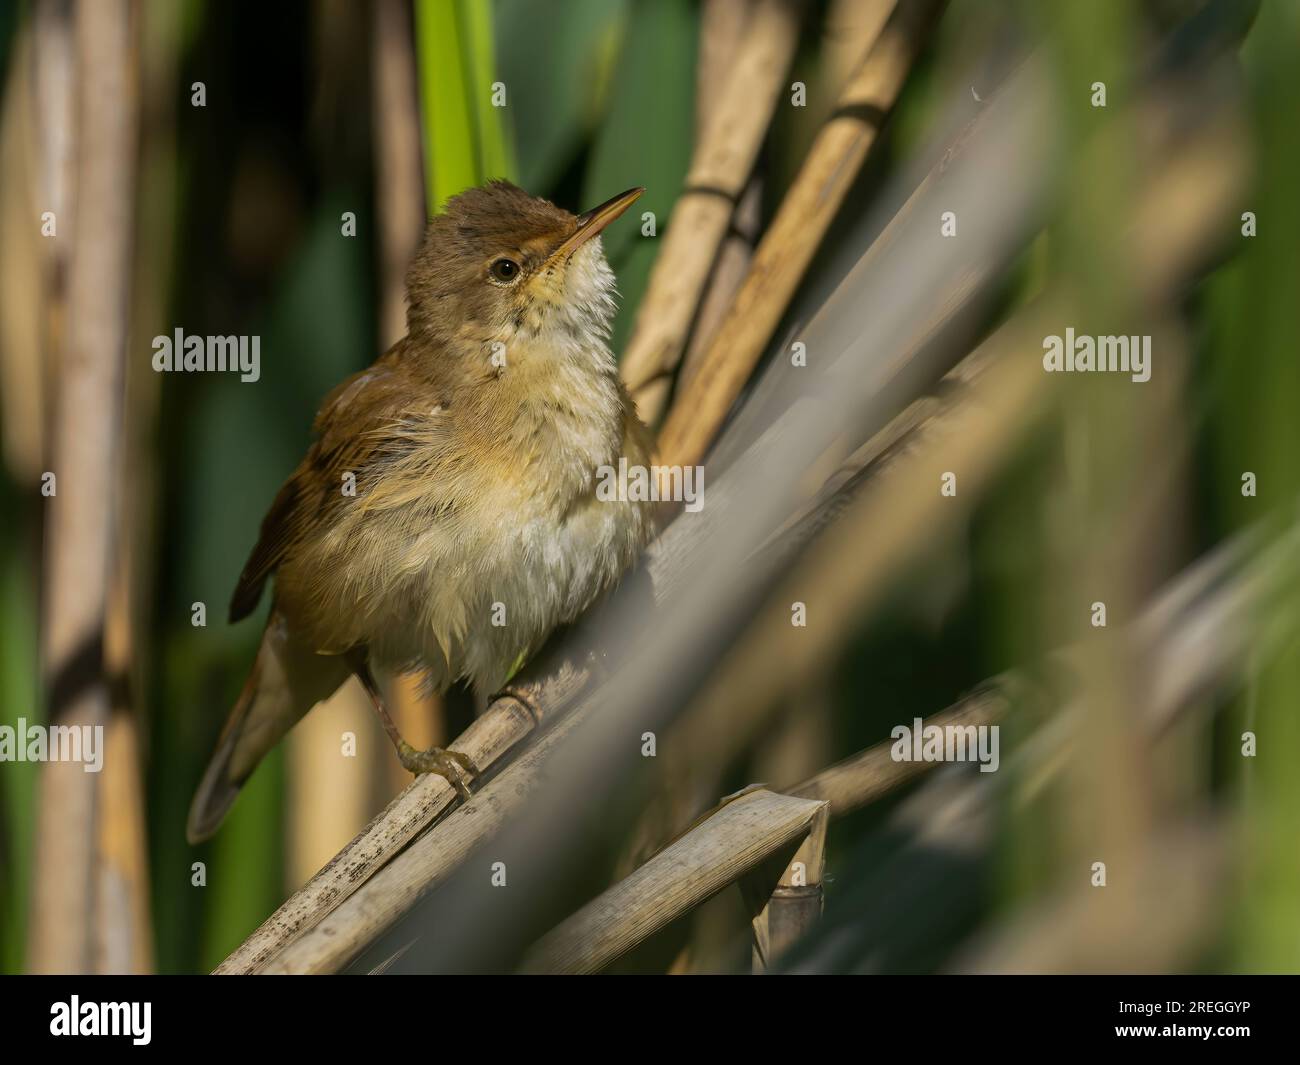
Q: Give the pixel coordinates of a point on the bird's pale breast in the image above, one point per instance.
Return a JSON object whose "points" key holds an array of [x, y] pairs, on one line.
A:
{"points": [[465, 552]]}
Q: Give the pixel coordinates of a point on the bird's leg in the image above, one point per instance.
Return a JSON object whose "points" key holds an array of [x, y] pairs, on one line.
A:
{"points": [[454, 767]]}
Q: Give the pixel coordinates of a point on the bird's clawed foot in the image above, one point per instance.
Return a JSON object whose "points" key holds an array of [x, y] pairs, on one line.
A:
{"points": [[454, 767]]}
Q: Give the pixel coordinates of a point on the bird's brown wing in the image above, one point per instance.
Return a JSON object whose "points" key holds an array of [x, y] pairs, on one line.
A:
{"points": [[349, 437]]}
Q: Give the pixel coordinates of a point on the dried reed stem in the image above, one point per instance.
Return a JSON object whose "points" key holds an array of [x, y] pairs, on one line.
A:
{"points": [[866, 776], [507, 721], [796, 232], [717, 852], [791, 909], [376, 904], [720, 167]]}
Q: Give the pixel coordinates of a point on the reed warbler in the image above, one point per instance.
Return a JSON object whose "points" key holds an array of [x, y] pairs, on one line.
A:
{"points": [[444, 521]]}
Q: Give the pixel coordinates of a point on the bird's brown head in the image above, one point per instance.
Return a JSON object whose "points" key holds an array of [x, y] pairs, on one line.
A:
{"points": [[499, 263]]}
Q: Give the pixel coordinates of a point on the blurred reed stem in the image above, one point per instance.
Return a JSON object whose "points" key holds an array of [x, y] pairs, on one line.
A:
{"points": [[87, 450]]}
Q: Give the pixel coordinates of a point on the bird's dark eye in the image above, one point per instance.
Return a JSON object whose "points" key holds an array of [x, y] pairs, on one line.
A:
{"points": [[505, 269]]}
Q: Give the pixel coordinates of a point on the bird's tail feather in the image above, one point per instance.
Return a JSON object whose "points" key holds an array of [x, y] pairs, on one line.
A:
{"points": [[287, 680]]}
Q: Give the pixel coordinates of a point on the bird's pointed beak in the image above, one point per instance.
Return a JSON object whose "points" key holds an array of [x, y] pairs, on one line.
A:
{"points": [[592, 222]]}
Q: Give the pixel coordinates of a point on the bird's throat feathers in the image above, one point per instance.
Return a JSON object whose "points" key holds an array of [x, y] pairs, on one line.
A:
{"points": [[538, 367], [560, 320]]}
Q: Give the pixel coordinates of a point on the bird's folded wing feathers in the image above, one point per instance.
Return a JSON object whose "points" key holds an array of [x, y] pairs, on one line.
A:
{"points": [[349, 438]]}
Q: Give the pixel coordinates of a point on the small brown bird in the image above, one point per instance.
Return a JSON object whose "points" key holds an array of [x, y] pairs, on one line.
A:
{"points": [[445, 520]]}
